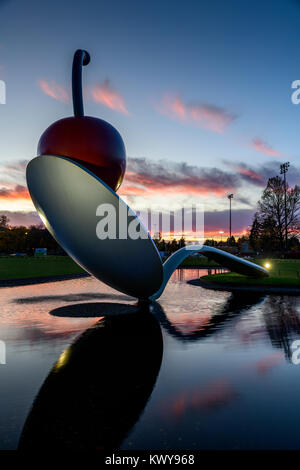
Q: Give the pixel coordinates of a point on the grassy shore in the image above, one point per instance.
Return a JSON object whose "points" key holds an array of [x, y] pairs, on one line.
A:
{"points": [[17, 267], [282, 273]]}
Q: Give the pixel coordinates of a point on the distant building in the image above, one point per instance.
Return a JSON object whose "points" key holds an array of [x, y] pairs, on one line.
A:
{"points": [[246, 249], [229, 249], [40, 252]]}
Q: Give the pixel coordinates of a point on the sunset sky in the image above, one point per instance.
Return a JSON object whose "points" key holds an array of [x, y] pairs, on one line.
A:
{"points": [[200, 92]]}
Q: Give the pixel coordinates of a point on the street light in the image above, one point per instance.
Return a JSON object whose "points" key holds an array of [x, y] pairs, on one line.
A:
{"points": [[230, 196], [221, 233], [283, 170]]}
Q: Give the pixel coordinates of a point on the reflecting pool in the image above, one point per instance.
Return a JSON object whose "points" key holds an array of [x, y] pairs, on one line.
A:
{"points": [[87, 367]]}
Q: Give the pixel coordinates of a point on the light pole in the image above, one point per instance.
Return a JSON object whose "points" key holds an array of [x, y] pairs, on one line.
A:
{"points": [[221, 233], [283, 170], [230, 196]]}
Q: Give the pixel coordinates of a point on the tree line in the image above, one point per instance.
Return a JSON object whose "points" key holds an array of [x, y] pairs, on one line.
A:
{"points": [[25, 240], [267, 232]]}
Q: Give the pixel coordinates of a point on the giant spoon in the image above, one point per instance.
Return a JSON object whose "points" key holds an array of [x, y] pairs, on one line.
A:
{"points": [[66, 187]]}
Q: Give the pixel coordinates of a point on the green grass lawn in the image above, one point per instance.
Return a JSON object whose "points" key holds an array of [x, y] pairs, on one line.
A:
{"points": [[19, 267], [15, 267], [282, 273]]}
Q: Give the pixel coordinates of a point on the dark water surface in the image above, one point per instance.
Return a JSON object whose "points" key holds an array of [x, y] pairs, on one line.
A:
{"points": [[88, 368]]}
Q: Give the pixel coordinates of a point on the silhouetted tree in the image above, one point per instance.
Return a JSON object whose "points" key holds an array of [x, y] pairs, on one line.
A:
{"points": [[268, 227], [25, 240], [241, 240], [211, 242], [231, 241], [254, 235], [170, 246], [182, 242], [4, 220]]}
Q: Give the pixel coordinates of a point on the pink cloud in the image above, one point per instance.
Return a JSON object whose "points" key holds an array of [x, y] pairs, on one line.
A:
{"points": [[53, 89], [216, 394], [17, 218], [250, 174], [203, 115], [17, 192], [268, 362], [104, 94], [174, 107], [247, 172], [260, 146]]}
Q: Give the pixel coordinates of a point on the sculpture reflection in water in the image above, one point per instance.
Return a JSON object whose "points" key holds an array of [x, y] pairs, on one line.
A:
{"points": [[282, 322], [280, 316], [100, 385], [236, 304]]}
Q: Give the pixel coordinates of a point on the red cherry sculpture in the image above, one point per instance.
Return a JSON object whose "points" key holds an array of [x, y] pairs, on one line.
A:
{"points": [[90, 141]]}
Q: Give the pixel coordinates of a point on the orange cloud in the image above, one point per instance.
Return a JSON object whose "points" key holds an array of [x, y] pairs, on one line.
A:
{"points": [[104, 94], [54, 90], [17, 192], [204, 115], [260, 146], [128, 190]]}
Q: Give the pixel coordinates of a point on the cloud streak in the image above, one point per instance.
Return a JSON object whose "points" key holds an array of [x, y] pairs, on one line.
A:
{"points": [[263, 147], [258, 175], [204, 115], [248, 174], [104, 93], [13, 172], [53, 89], [145, 177]]}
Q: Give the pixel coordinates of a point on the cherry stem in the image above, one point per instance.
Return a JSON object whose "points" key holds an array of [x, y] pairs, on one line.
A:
{"points": [[81, 58]]}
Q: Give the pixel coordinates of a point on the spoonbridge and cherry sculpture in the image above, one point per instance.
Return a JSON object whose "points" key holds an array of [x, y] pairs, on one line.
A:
{"points": [[81, 164]]}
